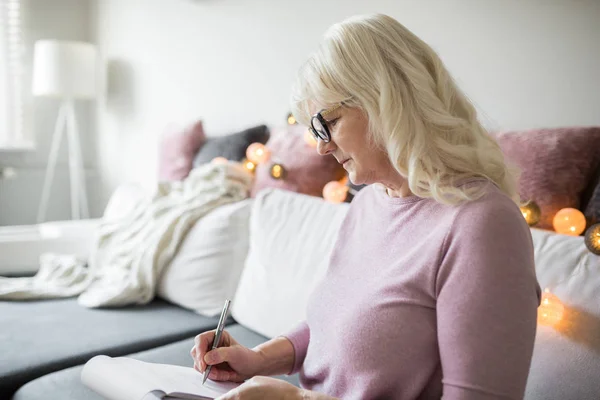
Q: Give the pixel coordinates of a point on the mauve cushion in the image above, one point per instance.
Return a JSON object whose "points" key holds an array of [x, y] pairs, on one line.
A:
{"points": [[233, 146], [177, 149], [556, 165], [307, 172]]}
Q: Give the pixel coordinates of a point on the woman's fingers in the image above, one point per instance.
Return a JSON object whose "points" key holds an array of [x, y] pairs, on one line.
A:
{"points": [[197, 360], [217, 374], [201, 347], [219, 358]]}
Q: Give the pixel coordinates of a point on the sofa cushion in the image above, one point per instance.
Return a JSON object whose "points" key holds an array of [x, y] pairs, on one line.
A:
{"points": [[566, 357], [291, 238], [178, 146], [233, 146], [208, 264], [556, 165], [591, 200], [67, 384], [39, 337]]}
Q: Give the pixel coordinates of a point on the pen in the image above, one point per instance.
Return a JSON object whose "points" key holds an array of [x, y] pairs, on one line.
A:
{"points": [[218, 333]]}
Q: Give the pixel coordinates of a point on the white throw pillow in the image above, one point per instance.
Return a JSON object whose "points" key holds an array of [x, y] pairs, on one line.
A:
{"points": [[207, 267], [123, 201], [566, 358], [291, 238]]}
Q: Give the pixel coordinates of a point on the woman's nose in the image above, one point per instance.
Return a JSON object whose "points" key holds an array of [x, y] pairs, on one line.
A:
{"points": [[324, 148]]}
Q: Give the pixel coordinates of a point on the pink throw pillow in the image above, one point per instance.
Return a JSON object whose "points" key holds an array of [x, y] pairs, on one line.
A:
{"points": [[556, 165], [307, 172], [178, 146]]}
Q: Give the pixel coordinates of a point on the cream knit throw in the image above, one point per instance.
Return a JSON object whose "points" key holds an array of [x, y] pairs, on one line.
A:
{"points": [[129, 254]]}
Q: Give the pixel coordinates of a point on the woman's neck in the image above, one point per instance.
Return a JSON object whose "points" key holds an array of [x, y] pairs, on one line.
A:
{"points": [[397, 188], [403, 191], [395, 184]]}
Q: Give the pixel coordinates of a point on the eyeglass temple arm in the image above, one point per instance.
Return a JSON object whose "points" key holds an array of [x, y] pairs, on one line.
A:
{"points": [[331, 109]]}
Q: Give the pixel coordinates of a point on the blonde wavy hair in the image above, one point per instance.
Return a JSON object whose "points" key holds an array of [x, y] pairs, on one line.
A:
{"points": [[416, 112]]}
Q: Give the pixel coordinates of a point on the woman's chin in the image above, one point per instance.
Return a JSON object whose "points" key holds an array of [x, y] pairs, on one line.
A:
{"points": [[358, 180]]}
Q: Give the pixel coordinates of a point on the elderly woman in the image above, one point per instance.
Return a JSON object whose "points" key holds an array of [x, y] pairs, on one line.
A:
{"points": [[431, 289]]}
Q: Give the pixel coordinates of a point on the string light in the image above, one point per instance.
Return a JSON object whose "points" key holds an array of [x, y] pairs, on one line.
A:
{"points": [[219, 160], [551, 309], [531, 212], [248, 165], [278, 171], [258, 153], [335, 192], [291, 119], [569, 221], [592, 239]]}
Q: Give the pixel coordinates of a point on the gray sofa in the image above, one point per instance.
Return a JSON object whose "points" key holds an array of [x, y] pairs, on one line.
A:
{"points": [[44, 344], [66, 383]]}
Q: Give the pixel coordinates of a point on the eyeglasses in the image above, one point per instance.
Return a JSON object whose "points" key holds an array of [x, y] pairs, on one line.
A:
{"points": [[318, 124]]}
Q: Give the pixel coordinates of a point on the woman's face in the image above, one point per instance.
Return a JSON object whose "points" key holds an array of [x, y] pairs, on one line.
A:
{"points": [[350, 146]]}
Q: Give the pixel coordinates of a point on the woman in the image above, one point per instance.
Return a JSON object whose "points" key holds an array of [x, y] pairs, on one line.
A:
{"points": [[431, 289]]}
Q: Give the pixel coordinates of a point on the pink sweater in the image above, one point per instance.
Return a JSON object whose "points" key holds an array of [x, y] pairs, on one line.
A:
{"points": [[423, 299]]}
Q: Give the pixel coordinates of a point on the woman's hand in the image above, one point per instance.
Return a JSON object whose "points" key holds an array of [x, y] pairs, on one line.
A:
{"points": [[231, 361], [264, 388]]}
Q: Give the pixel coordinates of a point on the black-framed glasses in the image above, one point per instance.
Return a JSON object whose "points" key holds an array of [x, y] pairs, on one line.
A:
{"points": [[318, 124]]}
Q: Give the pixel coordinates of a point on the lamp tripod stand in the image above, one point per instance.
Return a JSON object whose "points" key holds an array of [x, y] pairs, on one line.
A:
{"points": [[79, 205]]}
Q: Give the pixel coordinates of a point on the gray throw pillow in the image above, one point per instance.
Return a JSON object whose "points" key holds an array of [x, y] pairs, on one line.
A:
{"points": [[590, 201], [354, 189], [233, 146]]}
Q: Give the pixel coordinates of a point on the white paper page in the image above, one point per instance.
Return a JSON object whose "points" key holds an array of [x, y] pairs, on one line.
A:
{"points": [[123, 378]]}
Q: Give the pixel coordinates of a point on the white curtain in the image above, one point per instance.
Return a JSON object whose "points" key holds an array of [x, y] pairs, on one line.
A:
{"points": [[11, 74]]}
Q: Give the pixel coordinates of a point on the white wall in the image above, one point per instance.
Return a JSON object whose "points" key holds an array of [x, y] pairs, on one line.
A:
{"points": [[20, 197], [526, 63]]}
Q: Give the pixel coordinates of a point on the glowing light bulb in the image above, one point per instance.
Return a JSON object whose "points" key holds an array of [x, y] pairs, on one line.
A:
{"points": [[531, 212], [278, 171], [248, 165], [551, 309], [219, 160], [592, 239], [569, 221], [258, 153], [291, 119], [335, 192]]}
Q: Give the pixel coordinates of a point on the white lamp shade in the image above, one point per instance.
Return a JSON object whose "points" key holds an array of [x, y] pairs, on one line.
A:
{"points": [[64, 69]]}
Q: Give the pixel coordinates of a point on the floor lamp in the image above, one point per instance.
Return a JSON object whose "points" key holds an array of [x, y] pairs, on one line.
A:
{"points": [[66, 71]]}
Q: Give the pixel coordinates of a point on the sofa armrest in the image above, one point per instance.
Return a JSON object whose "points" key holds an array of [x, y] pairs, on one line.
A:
{"points": [[21, 246]]}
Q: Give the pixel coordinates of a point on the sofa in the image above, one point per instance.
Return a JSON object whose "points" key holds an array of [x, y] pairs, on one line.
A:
{"points": [[269, 254]]}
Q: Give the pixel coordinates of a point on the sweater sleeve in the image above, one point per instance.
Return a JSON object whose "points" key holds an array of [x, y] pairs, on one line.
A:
{"points": [[487, 299], [299, 336]]}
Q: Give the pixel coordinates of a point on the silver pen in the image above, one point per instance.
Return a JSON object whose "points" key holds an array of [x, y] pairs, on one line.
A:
{"points": [[218, 333]]}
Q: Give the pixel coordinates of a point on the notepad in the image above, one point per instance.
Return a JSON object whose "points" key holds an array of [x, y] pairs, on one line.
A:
{"points": [[124, 378]]}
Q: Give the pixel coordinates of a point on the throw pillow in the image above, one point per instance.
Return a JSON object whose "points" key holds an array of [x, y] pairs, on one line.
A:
{"points": [[307, 172], [291, 238], [556, 165], [207, 267], [566, 357], [590, 202], [177, 149], [233, 146], [354, 189]]}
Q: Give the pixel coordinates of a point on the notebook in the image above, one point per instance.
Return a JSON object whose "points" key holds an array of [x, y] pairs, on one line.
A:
{"points": [[123, 378]]}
